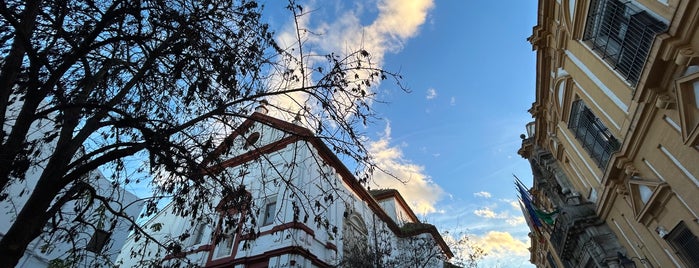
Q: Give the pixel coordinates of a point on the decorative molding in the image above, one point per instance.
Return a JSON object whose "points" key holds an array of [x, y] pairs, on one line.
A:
{"points": [[664, 101], [645, 212], [298, 133], [685, 56], [630, 170], [621, 189], [687, 91]]}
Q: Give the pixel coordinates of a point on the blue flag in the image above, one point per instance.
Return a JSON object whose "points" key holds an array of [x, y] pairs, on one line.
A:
{"points": [[526, 199]]}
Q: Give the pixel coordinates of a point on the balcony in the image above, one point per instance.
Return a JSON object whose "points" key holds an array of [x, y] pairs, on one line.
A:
{"points": [[571, 222], [581, 239]]}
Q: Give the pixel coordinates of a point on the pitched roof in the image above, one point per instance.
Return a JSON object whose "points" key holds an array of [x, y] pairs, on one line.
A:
{"points": [[382, 194]]}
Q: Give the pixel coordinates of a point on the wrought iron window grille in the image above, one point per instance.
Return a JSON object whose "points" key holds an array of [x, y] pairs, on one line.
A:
{"points": [[622, 34], [595, 138]]}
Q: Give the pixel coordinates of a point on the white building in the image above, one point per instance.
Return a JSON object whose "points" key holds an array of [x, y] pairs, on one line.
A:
{"points": [[80, 235], [102, 233], [308, 211]]}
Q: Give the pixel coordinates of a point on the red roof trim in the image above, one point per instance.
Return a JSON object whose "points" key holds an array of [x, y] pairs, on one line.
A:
{"points": [[297, 250], [395, 194]]}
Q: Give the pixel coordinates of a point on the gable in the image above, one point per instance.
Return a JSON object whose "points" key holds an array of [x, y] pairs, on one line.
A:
{"points": [[688, 101], [258, 134], [648, 197]]}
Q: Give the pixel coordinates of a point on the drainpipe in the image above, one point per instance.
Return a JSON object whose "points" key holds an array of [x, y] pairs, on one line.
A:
{"points": [[376, 242]]}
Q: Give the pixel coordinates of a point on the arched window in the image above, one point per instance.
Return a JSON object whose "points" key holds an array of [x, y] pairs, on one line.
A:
{"points": [[354, 233]]}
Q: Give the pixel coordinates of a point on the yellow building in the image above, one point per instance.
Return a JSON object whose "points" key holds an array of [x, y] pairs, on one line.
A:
{"points": [[614, 145]]}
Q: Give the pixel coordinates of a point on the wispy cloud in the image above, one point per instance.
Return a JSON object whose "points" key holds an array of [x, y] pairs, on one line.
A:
{"points": [[515, 220], [488, 213], [396, 22], [514, 204], [431, 93], [500, 247], [419, 190], [485, 213], [483, 194], [452, 101]]}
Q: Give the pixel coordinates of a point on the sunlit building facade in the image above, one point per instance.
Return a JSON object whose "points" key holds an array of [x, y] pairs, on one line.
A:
{"points": [[313, 212], [614, 144]]}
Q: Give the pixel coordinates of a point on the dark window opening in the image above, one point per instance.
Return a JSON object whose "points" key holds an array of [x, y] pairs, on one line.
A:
{"points": [[98, 240], [552, 262], [685, 243]]}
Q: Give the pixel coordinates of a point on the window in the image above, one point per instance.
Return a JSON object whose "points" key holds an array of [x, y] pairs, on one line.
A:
{"points": [[230, 208], [226, 237], [622, 34], [685, 244], [552, 262], [354, 233], [198, 234], [270, 211], [591, 263], [98, 240], [592, 134], [648, 197]]}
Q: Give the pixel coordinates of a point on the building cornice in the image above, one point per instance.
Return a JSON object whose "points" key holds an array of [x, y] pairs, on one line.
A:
{"points": [[393, 193]]}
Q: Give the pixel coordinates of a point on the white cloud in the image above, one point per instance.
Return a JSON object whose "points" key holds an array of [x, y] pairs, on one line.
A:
{"points": [[483, 194], [485, 213], [418, 190], [499, 247], [516, 220], [488, 213], [452, 101], [514, 204], [344, 32], [501, 244], [431, 93], [395, 23]]}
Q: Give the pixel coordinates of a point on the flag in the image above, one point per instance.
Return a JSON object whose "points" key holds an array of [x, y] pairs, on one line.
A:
{"points": [[547, 217], [535, 214], [526, 200], [528, 218]]}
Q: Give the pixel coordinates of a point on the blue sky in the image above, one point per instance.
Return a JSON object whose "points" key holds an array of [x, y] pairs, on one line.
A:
{"points": [[455, 136]]}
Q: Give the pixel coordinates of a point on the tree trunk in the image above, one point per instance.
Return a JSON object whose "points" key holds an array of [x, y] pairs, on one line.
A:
{"points": [[28, 224], [14, 143], [13, 61], [30, 221]]}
